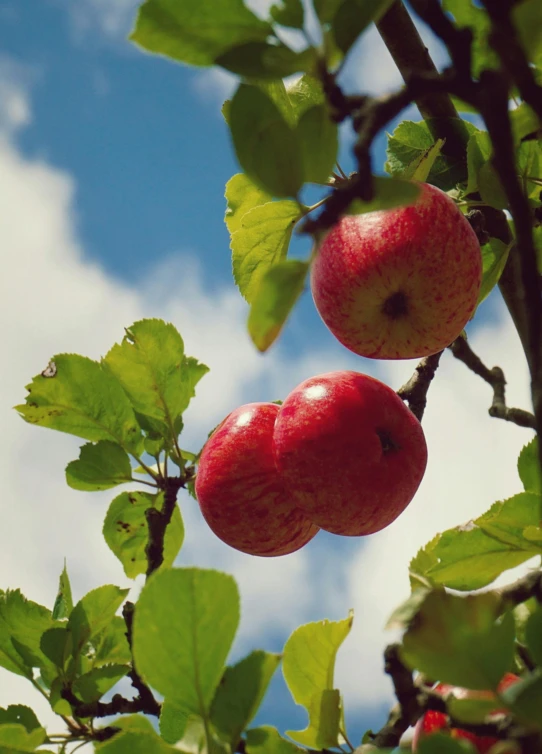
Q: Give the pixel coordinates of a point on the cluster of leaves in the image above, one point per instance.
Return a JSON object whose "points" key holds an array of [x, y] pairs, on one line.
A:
{"points": [[284, 136], [472, 641], [185, 623]]}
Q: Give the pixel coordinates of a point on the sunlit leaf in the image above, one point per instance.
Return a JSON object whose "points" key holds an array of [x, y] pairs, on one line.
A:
{"points": [[196, 32], [494, 258], [240, 693], [93, 612], [126, 531], [318, 136], [277, 294], [159, 379], [288, 13], [184, 625], [99, 467], [261, 242], [63, 602], [266, 146], [83, 399], [461, 640], [308, 666], [529, 467]]}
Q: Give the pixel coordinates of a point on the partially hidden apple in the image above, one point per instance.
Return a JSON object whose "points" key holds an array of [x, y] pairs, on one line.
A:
{"points": [[239, 492], [399, 283], [349, 451], [438, 722]]}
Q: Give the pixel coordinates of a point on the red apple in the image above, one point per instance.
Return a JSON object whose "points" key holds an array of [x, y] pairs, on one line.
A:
{"points": [[399, 283], [438, 722], [349, 451], [238, 489]]}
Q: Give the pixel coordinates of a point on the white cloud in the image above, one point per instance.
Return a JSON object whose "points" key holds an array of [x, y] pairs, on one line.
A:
{"points": [[15, 82], [370, 67], [114, 18]]}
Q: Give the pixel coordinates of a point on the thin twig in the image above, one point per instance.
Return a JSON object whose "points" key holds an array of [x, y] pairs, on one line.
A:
{"points": [[494, 377]]}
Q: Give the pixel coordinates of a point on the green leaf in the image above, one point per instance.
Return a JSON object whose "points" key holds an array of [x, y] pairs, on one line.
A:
{"points": [[440, 743], [131, 742], [63, 602], [494, 258], [92, 614], [266, 146], [184, 625], [388, 193], [277, 294], [468, 558], [326, 9], [277, 93], [524, 698], [242, 195], [22, 624], [533, 635], [240, 694], [111, 645], [127, 533], [261, 242], [471, 556], [93, 685], [318, 136], [466, 13], [471, 710], [529, 161], [83, 399], [308, 667], [18, 713], [196, 32], [56, 644], [419, 169], [528, 467], [288, 13], [527, 17], [524, 121], [99, 467], [354, 16], [159, 379], [506, 520], [461, 640], [403, 615], [176, 724], [409, 144], [267, 740], [17, 738], [262, 60], [305, 93], [490, 187]]}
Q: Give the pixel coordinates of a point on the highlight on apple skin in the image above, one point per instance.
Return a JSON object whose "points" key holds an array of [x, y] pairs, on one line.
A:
{"points": [[438, 722], [399, 283], [238, 489], [350, 452]]}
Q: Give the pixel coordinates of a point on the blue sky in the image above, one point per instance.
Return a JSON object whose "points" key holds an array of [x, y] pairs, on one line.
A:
{"points": [[112, 172]]}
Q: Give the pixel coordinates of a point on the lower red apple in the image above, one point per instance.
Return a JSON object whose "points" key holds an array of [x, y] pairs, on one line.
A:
{"points": [[350, 452], [239, 492], [438, 722], [399, 283]]}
